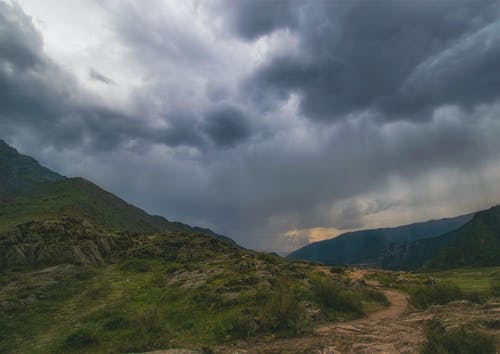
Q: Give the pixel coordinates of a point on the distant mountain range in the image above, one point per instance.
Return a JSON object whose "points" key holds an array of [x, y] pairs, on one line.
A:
{"points": [[467, 240]]}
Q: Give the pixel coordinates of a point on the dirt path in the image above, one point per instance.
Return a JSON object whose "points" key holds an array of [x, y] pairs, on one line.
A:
{"points": [[383, 331]]}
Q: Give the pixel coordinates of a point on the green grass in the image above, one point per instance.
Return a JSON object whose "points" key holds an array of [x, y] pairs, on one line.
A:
{"points": [[469, 279], [457, 341], [423, 296], [148, 304]]}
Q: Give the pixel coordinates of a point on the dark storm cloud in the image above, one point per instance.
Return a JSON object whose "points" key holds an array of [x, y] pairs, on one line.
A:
{"points": [[254, 18], [400, 59], [25, 72], [37, 94], [227, 126], [95, 75], [20, 43]]}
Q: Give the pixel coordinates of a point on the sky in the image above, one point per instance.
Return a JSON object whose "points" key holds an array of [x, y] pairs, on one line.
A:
{"points": [[277, 123]]}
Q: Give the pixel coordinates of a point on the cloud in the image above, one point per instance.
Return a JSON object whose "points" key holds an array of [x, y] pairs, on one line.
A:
{"points": [[227, 126], [252, 19], [398, 59], [95, 75]]}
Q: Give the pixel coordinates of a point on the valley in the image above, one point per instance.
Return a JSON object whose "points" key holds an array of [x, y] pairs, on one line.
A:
{"points": [[250, 177], [83, 271]]}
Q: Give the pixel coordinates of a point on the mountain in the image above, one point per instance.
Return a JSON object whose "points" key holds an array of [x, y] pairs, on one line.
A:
{"points": [[475, 244], [34, 193], [368, 246], [20, 173]]}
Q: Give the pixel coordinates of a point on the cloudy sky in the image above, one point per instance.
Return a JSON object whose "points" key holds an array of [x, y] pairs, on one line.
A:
{"points": [[276, 123]]}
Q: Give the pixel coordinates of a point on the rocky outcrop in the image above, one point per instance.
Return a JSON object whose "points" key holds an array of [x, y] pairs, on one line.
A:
{"points": [[70, 240], [66, 240]]}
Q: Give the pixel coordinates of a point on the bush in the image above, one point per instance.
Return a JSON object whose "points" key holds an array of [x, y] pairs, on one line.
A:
{"points": [[149, 321], [458, 341], [136, 265], [80, 338], [475, 296], [495, 288], [375, 295], [423, 296], [282, 311], [146, 332], [85, 273], [338, 269], [330, 297], [237, 326], [115, 323]]}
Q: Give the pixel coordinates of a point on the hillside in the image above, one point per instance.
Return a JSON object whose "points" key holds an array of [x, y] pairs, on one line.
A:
{"points": [[77, 197], [475, 244], [34, 193], [20, 173], [69, 286], [368, 246]]}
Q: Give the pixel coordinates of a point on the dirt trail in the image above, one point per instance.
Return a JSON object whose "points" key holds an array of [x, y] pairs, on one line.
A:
{"points": [[382, 331]]}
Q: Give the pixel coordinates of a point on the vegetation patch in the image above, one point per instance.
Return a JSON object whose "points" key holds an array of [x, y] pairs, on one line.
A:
{"points": [[80, 338], [457, 341], [437, 294], [136, 265], [333, 299]]}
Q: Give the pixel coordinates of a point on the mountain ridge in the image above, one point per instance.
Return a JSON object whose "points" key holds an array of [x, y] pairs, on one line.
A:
{"points": [[475, 244], [48, 195], [367, 246], [20, 173]]}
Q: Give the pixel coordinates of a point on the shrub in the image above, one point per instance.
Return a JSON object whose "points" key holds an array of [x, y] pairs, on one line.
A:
{"points": [[136, 265], [495, 288], [115, 323], [282, 311], [375, 295], [158, 280], [458, 341], [237, 326], [80, 338], [338, 269], [147, 332], [423, 296], [331, 297], [475, 296], [85, 273], [148, 321]]}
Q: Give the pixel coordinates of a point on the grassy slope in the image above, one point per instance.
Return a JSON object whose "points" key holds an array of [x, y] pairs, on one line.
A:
{"points": [[469, 279], [77, 197], [476, 244], [199, 296]]}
